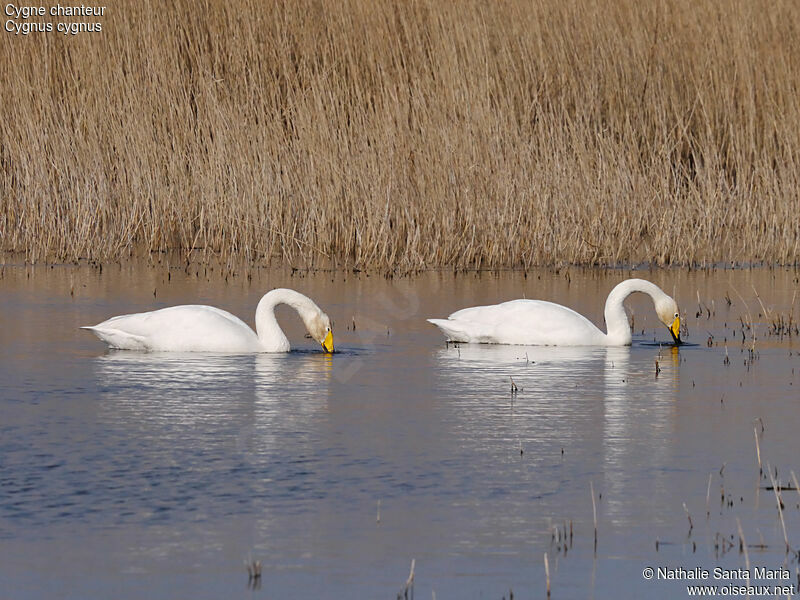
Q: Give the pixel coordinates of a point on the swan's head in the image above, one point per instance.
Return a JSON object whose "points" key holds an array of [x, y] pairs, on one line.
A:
{"points": [[319, 326], [669, 315]]}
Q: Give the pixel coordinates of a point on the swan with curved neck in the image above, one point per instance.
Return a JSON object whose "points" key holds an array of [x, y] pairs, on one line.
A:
{"points": [[541, 323], [196, 328]]}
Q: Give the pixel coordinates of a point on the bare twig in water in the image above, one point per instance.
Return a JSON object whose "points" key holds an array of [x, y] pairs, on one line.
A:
{"points": [[409, 582], [594, 513], [688, 516], [547, 573], [758, 451], [780, 507], [794, 480], [253, 573], [743, 544]]}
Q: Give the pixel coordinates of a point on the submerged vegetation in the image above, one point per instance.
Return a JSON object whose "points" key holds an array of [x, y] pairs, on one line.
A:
{"points": [[407, 135]]}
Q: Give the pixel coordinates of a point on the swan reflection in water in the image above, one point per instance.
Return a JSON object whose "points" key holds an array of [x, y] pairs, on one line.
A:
{"points": [[209, 373], [197, 437], [603, 405], [252, 397], [545, 373]]}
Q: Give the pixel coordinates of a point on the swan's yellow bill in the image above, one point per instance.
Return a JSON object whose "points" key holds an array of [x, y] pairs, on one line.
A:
{"points": [[327, 343], [675, 330]]}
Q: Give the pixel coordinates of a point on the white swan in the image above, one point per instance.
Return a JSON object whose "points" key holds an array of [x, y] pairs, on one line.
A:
{"points": [[195, 328], [540, 323]]}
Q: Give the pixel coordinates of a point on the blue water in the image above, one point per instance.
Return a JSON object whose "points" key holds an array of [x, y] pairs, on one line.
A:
{"points": [[131, 475]]}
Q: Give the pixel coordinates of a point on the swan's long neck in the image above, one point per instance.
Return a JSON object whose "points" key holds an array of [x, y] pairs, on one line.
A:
{"points": [[267, 328], [619, 331]]}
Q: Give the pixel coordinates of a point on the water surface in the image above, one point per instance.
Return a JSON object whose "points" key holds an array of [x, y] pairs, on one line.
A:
{"points": [[132, 475]]}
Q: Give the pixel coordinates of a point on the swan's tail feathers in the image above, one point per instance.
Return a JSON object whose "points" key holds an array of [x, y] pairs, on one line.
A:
{"points": [[118, 339], [453, 330]]}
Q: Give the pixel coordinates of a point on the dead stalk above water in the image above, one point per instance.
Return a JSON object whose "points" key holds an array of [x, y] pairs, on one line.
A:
{"points": [[758, 451], [743, 544], [296, 142], [779, 503], [253, 573], [594, 514], [410, 581], [689, 517], [794, 480], [547, 574]]}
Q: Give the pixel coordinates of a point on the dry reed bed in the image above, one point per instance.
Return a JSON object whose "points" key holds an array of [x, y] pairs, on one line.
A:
{"points": [[408, 135]]}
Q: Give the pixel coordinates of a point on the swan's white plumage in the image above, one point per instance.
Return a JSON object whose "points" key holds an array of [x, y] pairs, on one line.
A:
{"points": [[523, 322], [541, 323], [197, 328]]}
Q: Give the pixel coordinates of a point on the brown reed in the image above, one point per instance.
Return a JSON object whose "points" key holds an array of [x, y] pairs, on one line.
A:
{"points": [[407, 135]]}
